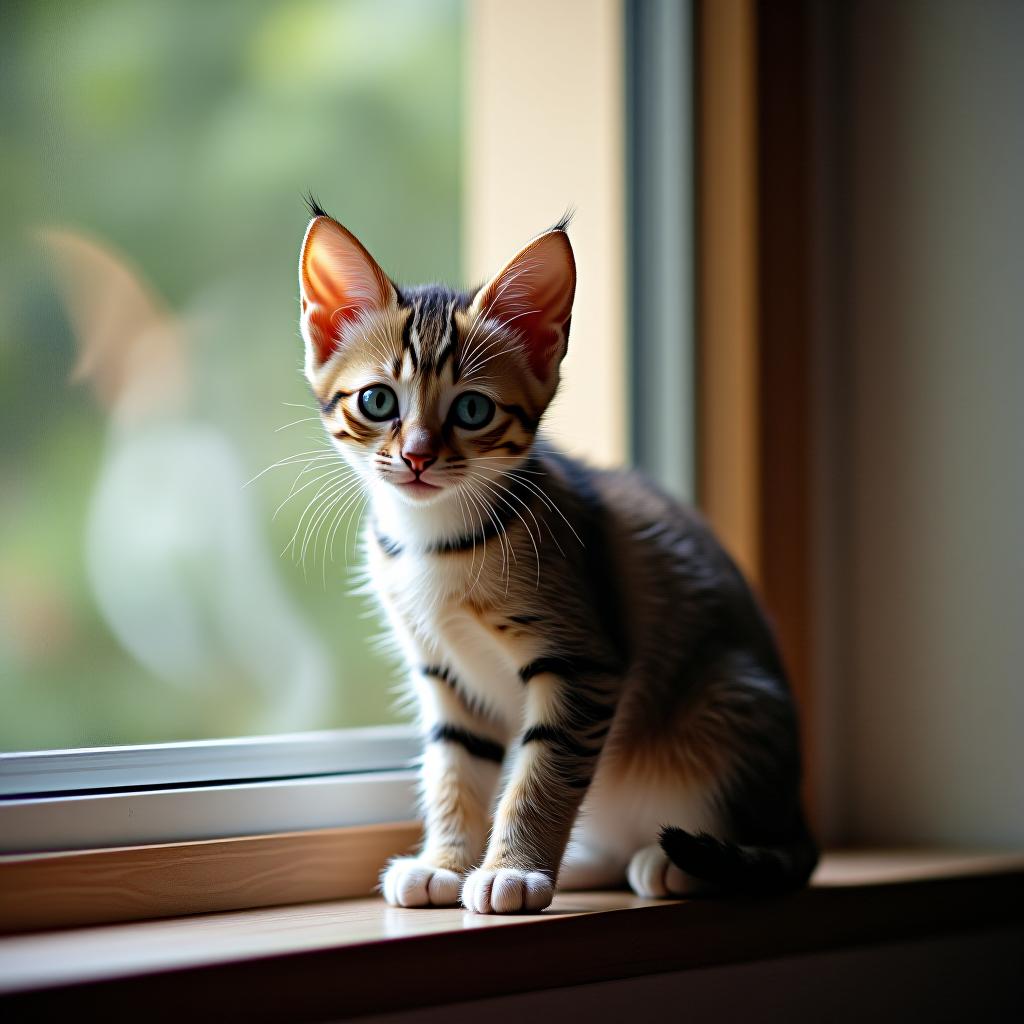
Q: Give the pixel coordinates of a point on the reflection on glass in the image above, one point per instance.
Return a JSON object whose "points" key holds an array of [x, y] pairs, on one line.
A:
{"points": [[149, 355]]}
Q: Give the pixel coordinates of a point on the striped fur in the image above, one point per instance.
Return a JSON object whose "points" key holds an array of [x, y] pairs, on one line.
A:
{"points": [[574, 627]]}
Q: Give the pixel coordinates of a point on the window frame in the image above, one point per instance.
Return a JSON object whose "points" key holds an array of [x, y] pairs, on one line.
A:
{"points": [[240, 759], [661, 240], [59, 800]]}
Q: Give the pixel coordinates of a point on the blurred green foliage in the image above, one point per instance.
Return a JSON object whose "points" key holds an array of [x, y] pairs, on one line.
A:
{"points": [[182, 136]]}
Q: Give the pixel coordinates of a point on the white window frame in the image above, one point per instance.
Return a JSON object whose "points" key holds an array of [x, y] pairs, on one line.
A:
{"points": [[660, 180], [211, 789]]}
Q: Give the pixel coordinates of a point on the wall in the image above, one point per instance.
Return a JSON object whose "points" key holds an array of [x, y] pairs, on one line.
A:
{"points": [[924, 429], [545, 131]]}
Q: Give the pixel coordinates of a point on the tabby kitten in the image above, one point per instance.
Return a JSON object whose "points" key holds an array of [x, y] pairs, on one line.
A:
{"points": [[601, 698]]}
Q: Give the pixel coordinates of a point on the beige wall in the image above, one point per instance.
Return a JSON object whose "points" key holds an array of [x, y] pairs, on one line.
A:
{"points": [[544, 96], [927, 425]]}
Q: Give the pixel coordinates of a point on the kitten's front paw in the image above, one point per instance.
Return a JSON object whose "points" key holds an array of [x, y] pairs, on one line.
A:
{"points": [[411, 882], [507, 891]]}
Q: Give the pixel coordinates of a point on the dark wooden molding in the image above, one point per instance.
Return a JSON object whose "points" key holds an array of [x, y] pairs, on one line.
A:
{"points": [[785, 197]]}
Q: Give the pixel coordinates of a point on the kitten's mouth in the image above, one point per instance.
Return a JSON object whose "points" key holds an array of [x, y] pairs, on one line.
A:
{"points": [[419, 487]]}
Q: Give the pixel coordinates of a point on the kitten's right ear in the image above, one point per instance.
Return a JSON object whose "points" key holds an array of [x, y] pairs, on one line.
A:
{"points": [[534, 294], [339, 281]]}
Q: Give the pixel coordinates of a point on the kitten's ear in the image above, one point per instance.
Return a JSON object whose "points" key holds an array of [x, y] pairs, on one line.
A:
{"points": [[533, 295], [338, 281]]}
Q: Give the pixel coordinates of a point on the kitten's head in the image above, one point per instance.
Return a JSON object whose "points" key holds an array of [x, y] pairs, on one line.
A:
{"points": [[428, 391]]}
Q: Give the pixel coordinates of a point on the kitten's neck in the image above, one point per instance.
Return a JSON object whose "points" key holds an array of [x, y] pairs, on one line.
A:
{"points": [[420, 526], [449, 520]]}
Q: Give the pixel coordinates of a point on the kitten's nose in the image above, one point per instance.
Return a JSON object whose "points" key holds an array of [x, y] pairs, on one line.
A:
{"points": [[419, 450]]}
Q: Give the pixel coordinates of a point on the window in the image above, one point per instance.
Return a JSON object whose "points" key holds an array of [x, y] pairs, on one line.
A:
{"points": [[146, 614], [155, 155]]}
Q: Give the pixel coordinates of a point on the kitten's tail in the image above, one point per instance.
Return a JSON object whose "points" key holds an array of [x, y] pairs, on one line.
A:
{"points": [[737, 868]]}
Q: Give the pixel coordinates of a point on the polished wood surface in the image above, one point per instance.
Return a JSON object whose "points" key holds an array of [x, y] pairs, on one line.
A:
{"points": [[340, 959]]}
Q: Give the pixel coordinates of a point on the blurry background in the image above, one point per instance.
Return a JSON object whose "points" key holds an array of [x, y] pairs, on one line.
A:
{"points": [[155, 157], [179, 138]]}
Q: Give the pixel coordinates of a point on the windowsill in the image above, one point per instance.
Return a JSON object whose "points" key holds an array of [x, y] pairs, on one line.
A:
{"points": [[342, 958]]}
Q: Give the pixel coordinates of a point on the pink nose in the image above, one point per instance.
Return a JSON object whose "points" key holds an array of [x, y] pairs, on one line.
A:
{"points": [[418, 461], [419, 449]]}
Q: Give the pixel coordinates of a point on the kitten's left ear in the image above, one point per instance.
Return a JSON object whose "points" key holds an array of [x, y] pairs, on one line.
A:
{"points": [[339, 281], [533, 295]]}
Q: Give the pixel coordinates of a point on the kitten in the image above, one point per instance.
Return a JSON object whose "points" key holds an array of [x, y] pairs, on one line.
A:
{"points": [[575, 627]]}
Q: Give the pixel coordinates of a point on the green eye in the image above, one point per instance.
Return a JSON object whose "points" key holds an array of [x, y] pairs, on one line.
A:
{"points": [[472, 410], [378, 402]]}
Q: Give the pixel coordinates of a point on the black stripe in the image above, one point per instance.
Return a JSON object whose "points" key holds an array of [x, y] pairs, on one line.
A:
{"points": [[473, 704], [407, 328], [437, 672], [356, 428], [390, 547], [337, 397], [413, 354], [459, 544], [493, 436], [510, 446], [526, 620], [528, 423], [478, 746], [571, 668], [561, 740], [407, 345], [443, 356], [449, 348]]}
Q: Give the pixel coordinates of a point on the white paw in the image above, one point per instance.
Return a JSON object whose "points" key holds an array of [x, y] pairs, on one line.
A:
{"points": [[411, 882], [652, 874], [506, 891]]}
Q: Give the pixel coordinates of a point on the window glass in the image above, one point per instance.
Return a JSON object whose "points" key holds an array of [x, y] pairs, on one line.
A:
{"points": [[153, 161]]}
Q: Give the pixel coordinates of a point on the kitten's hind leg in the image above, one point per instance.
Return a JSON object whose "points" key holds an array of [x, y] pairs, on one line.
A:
{"points": [[652, 874]]}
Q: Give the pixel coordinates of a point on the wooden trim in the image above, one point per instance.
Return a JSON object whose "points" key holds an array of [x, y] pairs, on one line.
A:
{"points": [[391, 963], [58, 890], [754, 338], [727, 288], [785, 191]]}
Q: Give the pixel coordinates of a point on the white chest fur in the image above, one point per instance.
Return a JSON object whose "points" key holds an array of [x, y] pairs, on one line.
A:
{"points": [[429, 601]]}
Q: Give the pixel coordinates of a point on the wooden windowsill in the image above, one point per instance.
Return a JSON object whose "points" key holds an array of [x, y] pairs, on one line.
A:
{"points": [[340, 959]]}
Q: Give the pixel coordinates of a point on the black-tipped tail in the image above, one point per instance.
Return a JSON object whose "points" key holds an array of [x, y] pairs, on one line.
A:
{"points": [[736, 868]]}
